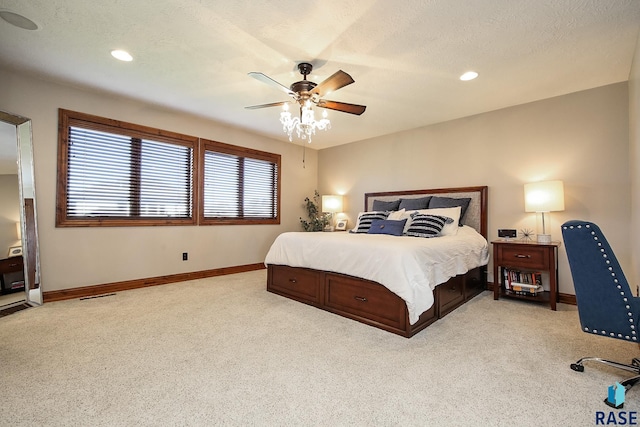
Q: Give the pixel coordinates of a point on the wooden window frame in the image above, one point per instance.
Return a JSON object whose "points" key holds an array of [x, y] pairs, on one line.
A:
{"points": [[219, 147], [67, 118]]}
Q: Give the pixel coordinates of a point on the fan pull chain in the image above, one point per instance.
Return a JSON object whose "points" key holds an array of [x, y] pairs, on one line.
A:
{"points": [[304, 152]]}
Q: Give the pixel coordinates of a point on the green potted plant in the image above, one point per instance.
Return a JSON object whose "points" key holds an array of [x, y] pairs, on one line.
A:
{"points": [[316, 221]]}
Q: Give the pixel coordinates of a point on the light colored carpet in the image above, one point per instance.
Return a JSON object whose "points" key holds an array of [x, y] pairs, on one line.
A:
{"points": [[224, 351]]}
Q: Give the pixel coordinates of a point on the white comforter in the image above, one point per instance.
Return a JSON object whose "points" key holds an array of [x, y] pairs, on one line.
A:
{"points": [[410, 267]]}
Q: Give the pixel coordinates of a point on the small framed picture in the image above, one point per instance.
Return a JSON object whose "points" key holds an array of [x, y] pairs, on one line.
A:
{"points": [[15, 251], [341, 225]]}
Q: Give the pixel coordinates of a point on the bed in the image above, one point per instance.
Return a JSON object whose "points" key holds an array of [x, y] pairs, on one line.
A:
{"points": [[380, 279]]}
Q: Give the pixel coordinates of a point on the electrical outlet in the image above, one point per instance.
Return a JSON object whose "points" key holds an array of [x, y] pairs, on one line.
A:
{"points": [[185, 256]]}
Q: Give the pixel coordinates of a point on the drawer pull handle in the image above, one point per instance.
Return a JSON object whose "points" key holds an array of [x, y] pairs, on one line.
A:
{"points": [[522, 256], [293, 280], [453, 289], [363, 299]]}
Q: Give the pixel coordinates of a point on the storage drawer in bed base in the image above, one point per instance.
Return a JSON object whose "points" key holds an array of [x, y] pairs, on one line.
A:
{"points": [[301, 284], [369, 302]]}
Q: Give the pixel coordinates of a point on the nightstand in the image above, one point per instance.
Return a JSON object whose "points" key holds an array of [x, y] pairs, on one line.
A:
{"points": [[527, 257], [11, 275]]}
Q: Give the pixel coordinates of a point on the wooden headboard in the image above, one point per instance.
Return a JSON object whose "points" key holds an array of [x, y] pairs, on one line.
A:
{"points": [[475, 217]]}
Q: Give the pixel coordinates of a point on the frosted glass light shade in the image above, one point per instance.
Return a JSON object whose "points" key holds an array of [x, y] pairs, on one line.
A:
{"points": [[545, 196], [332, 204]]}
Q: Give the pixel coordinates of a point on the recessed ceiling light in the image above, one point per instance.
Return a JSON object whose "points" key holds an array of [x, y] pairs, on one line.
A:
{"points": [[18, 20], [469, 75], [121, 55]]}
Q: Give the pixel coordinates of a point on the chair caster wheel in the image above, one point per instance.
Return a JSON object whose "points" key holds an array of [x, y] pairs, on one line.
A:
{"points": [[577, 368]]}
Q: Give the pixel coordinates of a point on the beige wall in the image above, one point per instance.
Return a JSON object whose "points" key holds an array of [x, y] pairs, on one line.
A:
{"points": [[634, 162], [74, 257], [581, 138]]}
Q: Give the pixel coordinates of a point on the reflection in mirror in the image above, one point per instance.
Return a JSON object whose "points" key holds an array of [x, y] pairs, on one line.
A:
{"points": [[19, 262]]}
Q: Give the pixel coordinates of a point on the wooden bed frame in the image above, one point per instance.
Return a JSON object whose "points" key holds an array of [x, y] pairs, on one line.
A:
{"points": [[372, 303]]}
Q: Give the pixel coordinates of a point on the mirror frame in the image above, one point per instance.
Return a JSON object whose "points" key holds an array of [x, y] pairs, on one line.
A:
{"points": [[28, 222]]}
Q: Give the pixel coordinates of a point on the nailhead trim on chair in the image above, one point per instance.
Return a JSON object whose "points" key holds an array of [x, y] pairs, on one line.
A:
{"points": [[633, 336]]}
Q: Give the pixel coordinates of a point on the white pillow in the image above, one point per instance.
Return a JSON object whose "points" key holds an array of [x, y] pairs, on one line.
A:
{"points": [[397, 215], [449, 229]]}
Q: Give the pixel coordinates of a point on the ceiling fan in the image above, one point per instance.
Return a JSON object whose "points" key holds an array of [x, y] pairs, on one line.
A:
{"points": [[305, 92]]}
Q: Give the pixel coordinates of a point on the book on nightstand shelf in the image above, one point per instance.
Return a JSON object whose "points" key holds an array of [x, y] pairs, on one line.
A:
{"points": [[523, 282]]}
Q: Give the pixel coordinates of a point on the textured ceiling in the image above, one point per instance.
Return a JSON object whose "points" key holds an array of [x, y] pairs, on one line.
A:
{"points": [[405, 56]]}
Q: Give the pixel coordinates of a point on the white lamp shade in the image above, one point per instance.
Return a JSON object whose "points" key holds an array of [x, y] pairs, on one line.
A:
{"points": [[332, 204], [545, 196]]}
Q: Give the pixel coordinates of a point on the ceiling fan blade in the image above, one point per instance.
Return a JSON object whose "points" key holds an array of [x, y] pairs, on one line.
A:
{"points": [[334, 82], [341, 106], [273, 104], [268, 80]]}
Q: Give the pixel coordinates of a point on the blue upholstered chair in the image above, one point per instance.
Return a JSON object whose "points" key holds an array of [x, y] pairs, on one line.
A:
{"points": [[606, 305]]}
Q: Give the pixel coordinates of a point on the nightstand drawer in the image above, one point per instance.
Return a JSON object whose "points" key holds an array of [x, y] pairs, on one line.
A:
{"points": [[10, 265], [523, 256]]}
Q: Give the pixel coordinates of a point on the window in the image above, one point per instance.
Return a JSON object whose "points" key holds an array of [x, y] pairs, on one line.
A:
{"points": [[239, 185], [112, 173]]}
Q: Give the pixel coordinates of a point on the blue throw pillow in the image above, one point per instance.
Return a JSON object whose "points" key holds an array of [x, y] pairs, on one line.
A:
{"points": [[427, 225], [450, 202], [387, 226], [381, 205], [415, 204]]}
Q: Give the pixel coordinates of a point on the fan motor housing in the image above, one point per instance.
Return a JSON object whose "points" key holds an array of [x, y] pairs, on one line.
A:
{"points": [[302, 86]]}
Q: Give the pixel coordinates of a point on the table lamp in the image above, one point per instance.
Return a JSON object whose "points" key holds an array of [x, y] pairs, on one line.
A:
{"points": [[331, 204], [542, 198]]}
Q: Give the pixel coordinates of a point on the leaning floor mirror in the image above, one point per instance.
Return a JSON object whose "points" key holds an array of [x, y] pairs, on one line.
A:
{"points": [[19, 257]]}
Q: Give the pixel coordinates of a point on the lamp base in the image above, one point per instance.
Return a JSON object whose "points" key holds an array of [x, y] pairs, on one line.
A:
{"points": [[544, 238]]}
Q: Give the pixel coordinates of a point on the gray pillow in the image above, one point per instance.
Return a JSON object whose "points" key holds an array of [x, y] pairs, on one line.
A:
{"points": [[450, 202], [381, 205], [414, 204]]}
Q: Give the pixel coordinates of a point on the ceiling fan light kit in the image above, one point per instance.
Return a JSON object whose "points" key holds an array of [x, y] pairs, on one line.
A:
{"points": [[307, 94], [305, 126]]}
